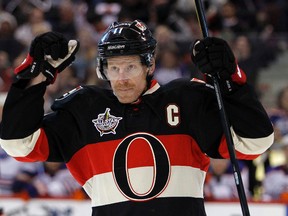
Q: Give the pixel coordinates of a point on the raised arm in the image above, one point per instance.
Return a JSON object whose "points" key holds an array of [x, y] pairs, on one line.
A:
{"points": [[251, 129], [50, 53]]}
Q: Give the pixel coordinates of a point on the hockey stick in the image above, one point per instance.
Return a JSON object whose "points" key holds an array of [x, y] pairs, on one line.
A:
{"points": [[226, 128]]}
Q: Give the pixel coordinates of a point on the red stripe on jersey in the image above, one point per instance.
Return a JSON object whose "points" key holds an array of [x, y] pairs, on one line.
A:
{"points": [[97, 158], [224, 152], [153, 83], [40, 151]]}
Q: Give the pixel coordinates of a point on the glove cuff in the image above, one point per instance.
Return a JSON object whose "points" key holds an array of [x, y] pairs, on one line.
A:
{"points": [[24, 65], [237, 79], [50, 73], [230, 85], [29, 68], [239, 76]]}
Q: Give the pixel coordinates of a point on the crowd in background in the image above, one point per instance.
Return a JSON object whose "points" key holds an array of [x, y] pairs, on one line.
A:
{"points": [[256, 30]]}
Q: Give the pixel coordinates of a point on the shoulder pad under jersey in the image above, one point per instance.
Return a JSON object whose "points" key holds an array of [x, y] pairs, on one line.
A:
{"points": [[67, 98], [202, 81], [67, 94]]}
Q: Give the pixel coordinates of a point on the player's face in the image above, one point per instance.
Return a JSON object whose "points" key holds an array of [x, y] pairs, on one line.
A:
{"points": [[127, 77]]}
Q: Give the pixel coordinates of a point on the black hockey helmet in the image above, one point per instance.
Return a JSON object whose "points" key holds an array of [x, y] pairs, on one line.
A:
{"points": [[125, 38]]}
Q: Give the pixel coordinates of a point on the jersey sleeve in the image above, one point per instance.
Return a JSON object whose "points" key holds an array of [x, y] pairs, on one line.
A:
{"points": [[28, 135], [23, 108], [250, 126], [21, 123]]}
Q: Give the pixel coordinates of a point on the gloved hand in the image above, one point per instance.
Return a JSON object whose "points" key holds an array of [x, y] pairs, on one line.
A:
{"points": [[50, 53], [214, 57]]}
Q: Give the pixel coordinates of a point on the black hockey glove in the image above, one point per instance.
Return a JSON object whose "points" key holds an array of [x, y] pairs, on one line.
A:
{"points": [[214, 57], [50, 53]]}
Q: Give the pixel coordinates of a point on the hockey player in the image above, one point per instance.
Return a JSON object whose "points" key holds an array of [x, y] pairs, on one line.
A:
{"points": [[138, 149]]}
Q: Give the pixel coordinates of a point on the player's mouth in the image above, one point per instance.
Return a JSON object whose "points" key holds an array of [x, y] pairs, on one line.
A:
{"points": [[124, 89]]}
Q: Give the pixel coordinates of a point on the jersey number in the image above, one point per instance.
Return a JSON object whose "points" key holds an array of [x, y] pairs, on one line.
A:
{"points": [[161, 166]]}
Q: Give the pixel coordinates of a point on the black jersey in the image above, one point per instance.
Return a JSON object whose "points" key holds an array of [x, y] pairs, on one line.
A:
{"points": [[145, 158]]}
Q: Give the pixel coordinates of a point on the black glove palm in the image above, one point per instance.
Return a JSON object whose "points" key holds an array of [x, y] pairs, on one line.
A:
{"points": [[50, 53], [213, 55]]}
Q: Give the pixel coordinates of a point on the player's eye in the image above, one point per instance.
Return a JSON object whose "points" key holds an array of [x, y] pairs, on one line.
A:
{"points": [[131, 68], [113, 69]]}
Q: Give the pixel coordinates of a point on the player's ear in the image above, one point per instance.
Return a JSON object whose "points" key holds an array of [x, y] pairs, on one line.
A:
{"points": [[152, 66]]}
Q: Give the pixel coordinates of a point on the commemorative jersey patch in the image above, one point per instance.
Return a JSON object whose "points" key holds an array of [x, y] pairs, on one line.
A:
{"points": [[106, 123]]}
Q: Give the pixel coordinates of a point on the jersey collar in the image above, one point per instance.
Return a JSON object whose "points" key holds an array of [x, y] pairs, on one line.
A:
{"points": [[153, 87]]}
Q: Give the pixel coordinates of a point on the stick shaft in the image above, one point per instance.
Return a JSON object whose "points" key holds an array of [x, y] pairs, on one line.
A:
{"points": [[224, 120]]}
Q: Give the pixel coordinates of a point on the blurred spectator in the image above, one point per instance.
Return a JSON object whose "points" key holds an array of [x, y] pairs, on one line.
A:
{"points": [[35, 25], [85, 63], [275, 184], [135, 9], [9, 169], [11, 5], [165, 13], [86, 57], [165, 42], [169, 66], [226, 19], [164, 36], [6, 72], [21, 9], [109, 11], [65, 20], [8, 42], [264, 26], [193, 24], [2, 100], [185, 6], [252, 56], [65, 82], [276, 14], [52, 179], [279, 115], [220, 182], [98, 26], [247, 59]]}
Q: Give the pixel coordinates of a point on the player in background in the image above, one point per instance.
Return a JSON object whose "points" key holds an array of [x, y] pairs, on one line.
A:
{"points": [[138, 148]]}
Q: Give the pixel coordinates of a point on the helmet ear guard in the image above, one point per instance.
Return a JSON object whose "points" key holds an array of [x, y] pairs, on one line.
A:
{"points": [[125, 38], [147, 59], [99, 69]]}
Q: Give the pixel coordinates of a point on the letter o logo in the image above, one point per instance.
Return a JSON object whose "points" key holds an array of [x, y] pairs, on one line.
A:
{"points": [[161, 165]]}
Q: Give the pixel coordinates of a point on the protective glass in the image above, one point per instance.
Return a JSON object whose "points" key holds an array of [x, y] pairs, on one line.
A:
{"points": [[121, 70]]}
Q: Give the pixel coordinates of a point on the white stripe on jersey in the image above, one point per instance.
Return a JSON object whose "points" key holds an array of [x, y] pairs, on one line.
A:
{"points": [[185, 181], [20, 147], [251, 146]]}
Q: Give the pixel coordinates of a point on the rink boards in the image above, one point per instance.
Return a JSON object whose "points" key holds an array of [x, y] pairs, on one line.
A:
{"points": [[65, 207]]}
